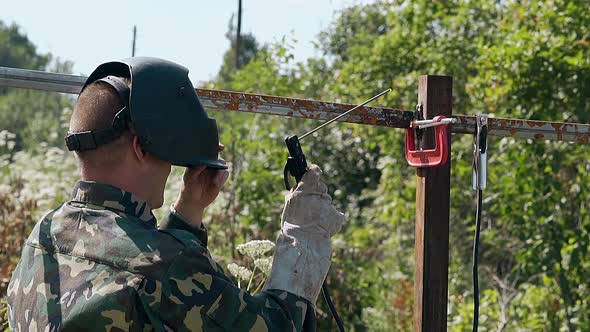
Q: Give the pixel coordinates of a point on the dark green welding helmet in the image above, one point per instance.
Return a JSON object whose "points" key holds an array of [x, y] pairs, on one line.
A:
{"points": [[162, 109]]}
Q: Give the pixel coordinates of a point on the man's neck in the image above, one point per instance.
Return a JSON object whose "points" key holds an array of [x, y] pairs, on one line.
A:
{"points": [[125, 183]]}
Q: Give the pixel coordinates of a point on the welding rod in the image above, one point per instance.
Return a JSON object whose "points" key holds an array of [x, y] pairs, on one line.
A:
{"points": [[345, 113]]}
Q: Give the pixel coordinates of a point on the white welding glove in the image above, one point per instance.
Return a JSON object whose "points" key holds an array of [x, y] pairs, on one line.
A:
{"points": [[303, 250]]}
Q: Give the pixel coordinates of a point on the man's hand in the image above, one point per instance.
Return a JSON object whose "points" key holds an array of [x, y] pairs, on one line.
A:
{"points": [[303, 251], [200, 187], [309, 209]]}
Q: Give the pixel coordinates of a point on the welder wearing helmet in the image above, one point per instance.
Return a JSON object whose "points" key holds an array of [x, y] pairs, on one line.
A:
{"points": [[100, 261]]}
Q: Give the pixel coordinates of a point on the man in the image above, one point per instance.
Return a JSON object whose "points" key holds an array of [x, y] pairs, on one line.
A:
{"points": [[99, 262]]}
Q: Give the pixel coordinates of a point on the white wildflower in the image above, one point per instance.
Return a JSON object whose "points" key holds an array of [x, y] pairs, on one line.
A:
{"points": [[255, 248], [47, 177], [53, 155], [338, 242], [373, 319], [7, 139], [264, 264], [5, 189], [239, 272]]}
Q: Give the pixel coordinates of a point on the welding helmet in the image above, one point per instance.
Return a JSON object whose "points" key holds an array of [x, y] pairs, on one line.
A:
{"points": [[161, 107]]}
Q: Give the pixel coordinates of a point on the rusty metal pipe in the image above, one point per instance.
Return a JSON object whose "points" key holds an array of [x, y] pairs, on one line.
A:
{"points": [[317, 110], [519, 128]]}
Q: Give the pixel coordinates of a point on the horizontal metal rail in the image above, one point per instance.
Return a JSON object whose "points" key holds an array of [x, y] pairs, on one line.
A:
{"points": [[530, 129], [40, 80], [313, 109], [303, 108]]}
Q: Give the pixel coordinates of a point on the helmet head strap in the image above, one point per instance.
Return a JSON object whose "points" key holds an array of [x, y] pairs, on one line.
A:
{"points": [[89, 140]]}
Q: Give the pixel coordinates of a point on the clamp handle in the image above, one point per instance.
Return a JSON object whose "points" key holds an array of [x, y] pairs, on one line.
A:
{"points": [[296, 164], [430, 157], [480, 152]]}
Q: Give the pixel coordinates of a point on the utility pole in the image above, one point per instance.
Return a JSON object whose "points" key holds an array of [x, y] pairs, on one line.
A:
{"points": [[239, 32], [134, 37]]}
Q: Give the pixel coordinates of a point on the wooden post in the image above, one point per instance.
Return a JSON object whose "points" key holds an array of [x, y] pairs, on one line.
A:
{"points": [[435, 93]]}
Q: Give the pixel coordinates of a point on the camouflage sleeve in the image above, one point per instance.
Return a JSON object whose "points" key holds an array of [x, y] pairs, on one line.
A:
{"points": [[174, 221], [195, 295]]}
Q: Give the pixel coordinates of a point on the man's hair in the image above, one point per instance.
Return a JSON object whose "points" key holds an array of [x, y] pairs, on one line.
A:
{"points": [[95, 109]]}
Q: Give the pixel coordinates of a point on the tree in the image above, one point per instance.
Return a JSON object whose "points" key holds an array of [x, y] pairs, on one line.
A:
{"points": [[249, 47], [33, 116], [18, 50], [535, 247]]}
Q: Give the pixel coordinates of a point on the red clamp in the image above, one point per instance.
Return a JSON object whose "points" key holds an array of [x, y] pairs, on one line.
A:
{"points": [[432, 157]]}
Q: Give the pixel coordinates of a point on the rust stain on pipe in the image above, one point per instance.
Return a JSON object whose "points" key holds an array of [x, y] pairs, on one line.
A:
{"points": [[543, 130], [302, 108], [312, 109], [387, 117]]}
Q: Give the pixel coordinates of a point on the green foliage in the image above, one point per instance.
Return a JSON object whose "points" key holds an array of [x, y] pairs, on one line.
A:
{"points": [[33, 116], [31, 183], [35, 174], [3, 314], [525, 59], [22, 53], [503, 61]]}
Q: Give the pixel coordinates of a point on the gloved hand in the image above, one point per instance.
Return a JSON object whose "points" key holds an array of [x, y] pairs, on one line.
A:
{"points": [[303, 250]]}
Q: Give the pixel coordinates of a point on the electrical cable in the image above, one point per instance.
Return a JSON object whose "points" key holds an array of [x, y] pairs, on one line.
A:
{"points": [[479, 183], [475, 261], [332, 308]]}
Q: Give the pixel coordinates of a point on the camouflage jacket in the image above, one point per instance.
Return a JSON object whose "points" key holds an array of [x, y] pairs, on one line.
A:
{"points": [[100, 263]]}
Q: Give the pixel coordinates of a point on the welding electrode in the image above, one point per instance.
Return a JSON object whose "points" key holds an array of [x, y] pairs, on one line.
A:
{"points": [[297, 166]]}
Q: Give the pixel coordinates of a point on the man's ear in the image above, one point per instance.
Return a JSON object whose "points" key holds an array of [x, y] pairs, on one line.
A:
{"points": [[140, 153]]}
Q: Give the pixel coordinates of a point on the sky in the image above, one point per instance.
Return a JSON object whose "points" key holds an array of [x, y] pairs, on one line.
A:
{"points": [[191, 33]]}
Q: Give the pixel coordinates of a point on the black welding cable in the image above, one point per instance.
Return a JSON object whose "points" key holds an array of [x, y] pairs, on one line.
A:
{"points": [[332, 307], [475, 261]]}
